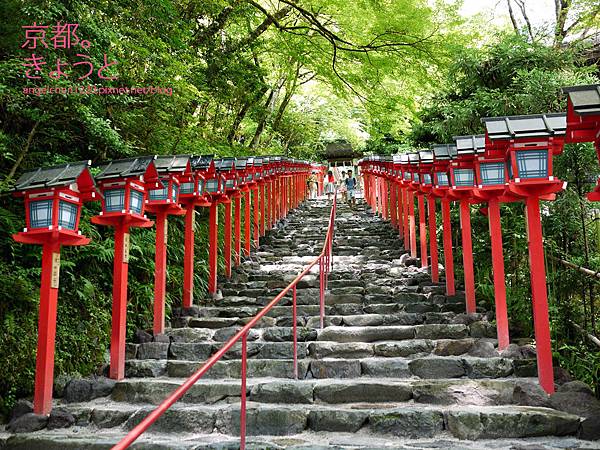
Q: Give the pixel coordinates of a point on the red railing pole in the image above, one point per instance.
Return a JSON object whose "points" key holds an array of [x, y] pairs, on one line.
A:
{"points": [[295, 332], [243, 392], [498, 268], [263, 200], [422, 230], [212, 248], [255, 210], [405, 220], [119, 307], [411, 223]]}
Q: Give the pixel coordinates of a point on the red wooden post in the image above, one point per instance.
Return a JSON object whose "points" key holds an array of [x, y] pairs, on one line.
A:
{"points": [[44, 367], [498, 268], [263, 208], [393, 205], [188, 257], [412, 224], [422, 230], [467, 247], [160, 272], [406, 221], [247, 224], [212, 247], [448, 256], [539, 295], [227, 239], [255, 203], [119, 307], [237, 212], [433, 248]]}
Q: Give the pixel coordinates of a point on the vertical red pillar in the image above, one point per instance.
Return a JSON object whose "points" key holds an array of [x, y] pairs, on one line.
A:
{"points": [[263, 208], [160, 272], [119, 306], [422, 230], [44, 364], [539, 295], [405, 221], [212, 247], [467, 247], [433, 248], [247, 223], [393, 205], [412, 224], [498, 267], [227, 239], [448, 256], [237, 212], [188, 257], [255, 203]]}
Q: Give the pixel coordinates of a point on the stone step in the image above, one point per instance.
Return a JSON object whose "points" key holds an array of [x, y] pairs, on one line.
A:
{"points": [[428, 367], [322, 440], [414, 421], [331, 391]]}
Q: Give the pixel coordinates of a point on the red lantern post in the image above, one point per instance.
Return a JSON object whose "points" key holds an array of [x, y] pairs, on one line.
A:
{"points": [[529, 143], [191, 194], [164, 201], [53, 200], [425, 187], [124, 185], [442, 155]]}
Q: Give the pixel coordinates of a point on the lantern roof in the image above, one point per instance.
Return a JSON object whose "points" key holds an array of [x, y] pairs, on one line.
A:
{"points": [[404, 158], [469, 145], [413, 158], [58, 176], [225, 164], [242, 163], [178, 163], [128, 167], [426, 156], [202, 162], [585, 99], [535, 125], [258, 161], [397, 159], [444, 151]]}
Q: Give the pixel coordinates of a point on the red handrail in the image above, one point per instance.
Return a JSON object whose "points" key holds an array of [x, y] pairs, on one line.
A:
{"points": [[325, 261]]}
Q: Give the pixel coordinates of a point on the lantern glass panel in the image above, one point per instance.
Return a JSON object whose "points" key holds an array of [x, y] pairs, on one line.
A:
{"points": [[159, 194], [114, 200], [40, 214], [230, 183], [248, 177], [174, 193], [463, 177], [212, 186], [136, 201], [532, 163], [492, 173], [67, 215], [200, 186], [415, 177], [186, 188], [407, 176], [426, 178], [442, 178]]}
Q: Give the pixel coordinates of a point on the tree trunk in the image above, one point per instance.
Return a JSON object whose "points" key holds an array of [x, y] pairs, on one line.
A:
{"points": [[262, 122], [23, 153], [237, 121]]}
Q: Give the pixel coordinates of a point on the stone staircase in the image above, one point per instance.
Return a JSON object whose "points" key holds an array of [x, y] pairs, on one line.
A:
{"points": [[398, 364]]}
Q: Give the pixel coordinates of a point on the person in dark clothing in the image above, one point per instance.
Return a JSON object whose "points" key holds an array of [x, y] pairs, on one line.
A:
{"points": [[350, 183]]}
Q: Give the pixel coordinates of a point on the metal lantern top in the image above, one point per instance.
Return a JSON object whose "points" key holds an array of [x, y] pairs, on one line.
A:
{"points": [[124, 184], [442, 156], [529, 142], [226, 171], [53, 199], [172, 172], [548, 129], [425, 168], [470, 145], [191, 188], [583, 114], [142, 168]]}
